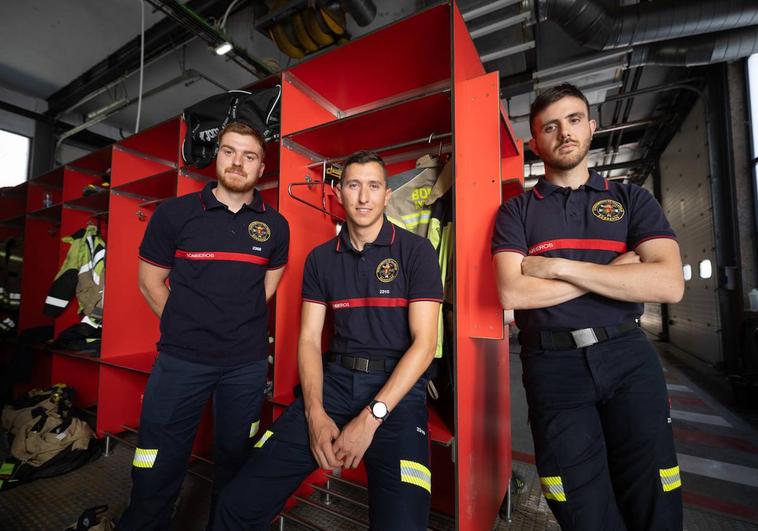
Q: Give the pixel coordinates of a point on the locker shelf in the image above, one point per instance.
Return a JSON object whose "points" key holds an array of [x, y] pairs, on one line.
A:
{"points": [[155, 186], [97, 202], [406, 121], [141, 362]]}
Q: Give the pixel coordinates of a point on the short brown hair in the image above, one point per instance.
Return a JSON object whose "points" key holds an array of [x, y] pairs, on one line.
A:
{"points": [[244, 129], [550, 96], [364, 157]]}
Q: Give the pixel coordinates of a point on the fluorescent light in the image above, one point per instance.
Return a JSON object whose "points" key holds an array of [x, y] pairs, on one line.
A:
{"points": [[223, 49]]}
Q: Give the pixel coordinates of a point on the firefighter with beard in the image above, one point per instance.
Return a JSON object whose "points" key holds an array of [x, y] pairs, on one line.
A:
{"points": [[223, 251], [576, 257]]}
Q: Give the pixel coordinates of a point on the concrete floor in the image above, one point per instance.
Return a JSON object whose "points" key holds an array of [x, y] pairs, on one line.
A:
{"points": [[717, 447]]}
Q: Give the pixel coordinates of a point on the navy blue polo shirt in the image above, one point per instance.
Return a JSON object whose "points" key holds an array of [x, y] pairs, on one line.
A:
{"points": [[216, 312], [594, 223], [370, 290]]}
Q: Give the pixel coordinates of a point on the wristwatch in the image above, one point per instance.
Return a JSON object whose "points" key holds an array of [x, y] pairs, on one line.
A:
{"points": [[379, 410]]}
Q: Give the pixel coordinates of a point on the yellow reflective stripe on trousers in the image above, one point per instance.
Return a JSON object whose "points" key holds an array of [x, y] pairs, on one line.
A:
{"points": [[263, 439], [552, 488], [144, 457], [416, 474], [670, 478], [254, 429]]}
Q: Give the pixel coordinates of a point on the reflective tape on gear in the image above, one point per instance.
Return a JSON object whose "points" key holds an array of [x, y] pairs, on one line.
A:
{"points": [[266, 436], [254, 429], [552, 488], [55, 301], [411, 221], [145, 457], [416, 474], [670, 478]]}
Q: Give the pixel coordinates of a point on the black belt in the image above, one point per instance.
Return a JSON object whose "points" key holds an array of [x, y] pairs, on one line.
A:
{"points": [[361, 364], [571, 339]]}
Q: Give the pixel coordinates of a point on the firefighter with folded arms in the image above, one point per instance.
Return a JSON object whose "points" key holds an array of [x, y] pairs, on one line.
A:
{"points": [[576, 257]]}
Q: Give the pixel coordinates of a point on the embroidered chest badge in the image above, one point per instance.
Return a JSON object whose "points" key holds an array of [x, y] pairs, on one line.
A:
{"points": [[259, 231], [608, 210], [387, 270]]}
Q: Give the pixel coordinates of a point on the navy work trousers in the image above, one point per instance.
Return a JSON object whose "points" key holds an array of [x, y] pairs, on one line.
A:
{"points": [[602, 435], [176, 394], [397, 461]]}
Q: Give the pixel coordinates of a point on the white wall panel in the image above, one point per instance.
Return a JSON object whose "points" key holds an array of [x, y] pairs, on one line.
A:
{"points": [[695, 325]]}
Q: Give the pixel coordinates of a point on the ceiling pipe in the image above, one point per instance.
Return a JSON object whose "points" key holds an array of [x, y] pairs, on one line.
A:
{"points": [[362, 11], [590, 24], [698, 51]]}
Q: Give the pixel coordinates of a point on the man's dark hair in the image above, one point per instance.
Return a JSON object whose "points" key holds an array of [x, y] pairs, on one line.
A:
{"points": [[364, 157], [550, 96]]}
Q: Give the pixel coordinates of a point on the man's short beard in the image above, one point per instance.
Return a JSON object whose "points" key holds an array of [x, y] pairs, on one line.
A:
{"points": [[563, 164], [234, 186]]}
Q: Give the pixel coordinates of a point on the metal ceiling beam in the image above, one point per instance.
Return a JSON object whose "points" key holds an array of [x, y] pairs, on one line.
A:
{"points": [[505, 52], [87, 138], [196, 23], [161, 38], [501, 24], [491, 7]]}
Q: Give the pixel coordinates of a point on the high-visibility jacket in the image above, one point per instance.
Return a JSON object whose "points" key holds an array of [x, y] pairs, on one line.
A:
{"points": [[82, 274], [421, 202]]}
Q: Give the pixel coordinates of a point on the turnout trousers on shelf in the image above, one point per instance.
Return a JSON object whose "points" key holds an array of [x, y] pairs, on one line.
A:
{"points": [[174, 399], [602, 435], [397, 461]]}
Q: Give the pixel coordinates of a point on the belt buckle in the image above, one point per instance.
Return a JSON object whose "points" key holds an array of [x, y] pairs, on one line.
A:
{"points": [[584, 337], [361, 364]]}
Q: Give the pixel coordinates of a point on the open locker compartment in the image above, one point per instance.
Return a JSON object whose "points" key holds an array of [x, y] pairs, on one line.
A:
{"points": [[85, 196], [144, 173], [413, 88]]}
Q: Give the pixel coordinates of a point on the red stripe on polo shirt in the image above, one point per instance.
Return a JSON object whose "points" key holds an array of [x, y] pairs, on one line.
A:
{"points": [[155, 263], [218, 255], [382, 302], [654, 237], [314, 301], [578, 243]]}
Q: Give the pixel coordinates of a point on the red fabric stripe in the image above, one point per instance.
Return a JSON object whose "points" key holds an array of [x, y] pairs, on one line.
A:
{"points": [[656, 237], [605, 181], [508, 250], [537, 193], [315, 301], [380, 302], [155, 263], [426, 300], [579, 243], [217, 255]]}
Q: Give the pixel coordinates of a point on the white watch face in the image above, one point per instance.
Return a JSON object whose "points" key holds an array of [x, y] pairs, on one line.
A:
{"points": [[379, 409]]}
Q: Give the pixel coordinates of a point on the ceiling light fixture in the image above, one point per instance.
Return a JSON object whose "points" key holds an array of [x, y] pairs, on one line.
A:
{"points": [[224, 48]]}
